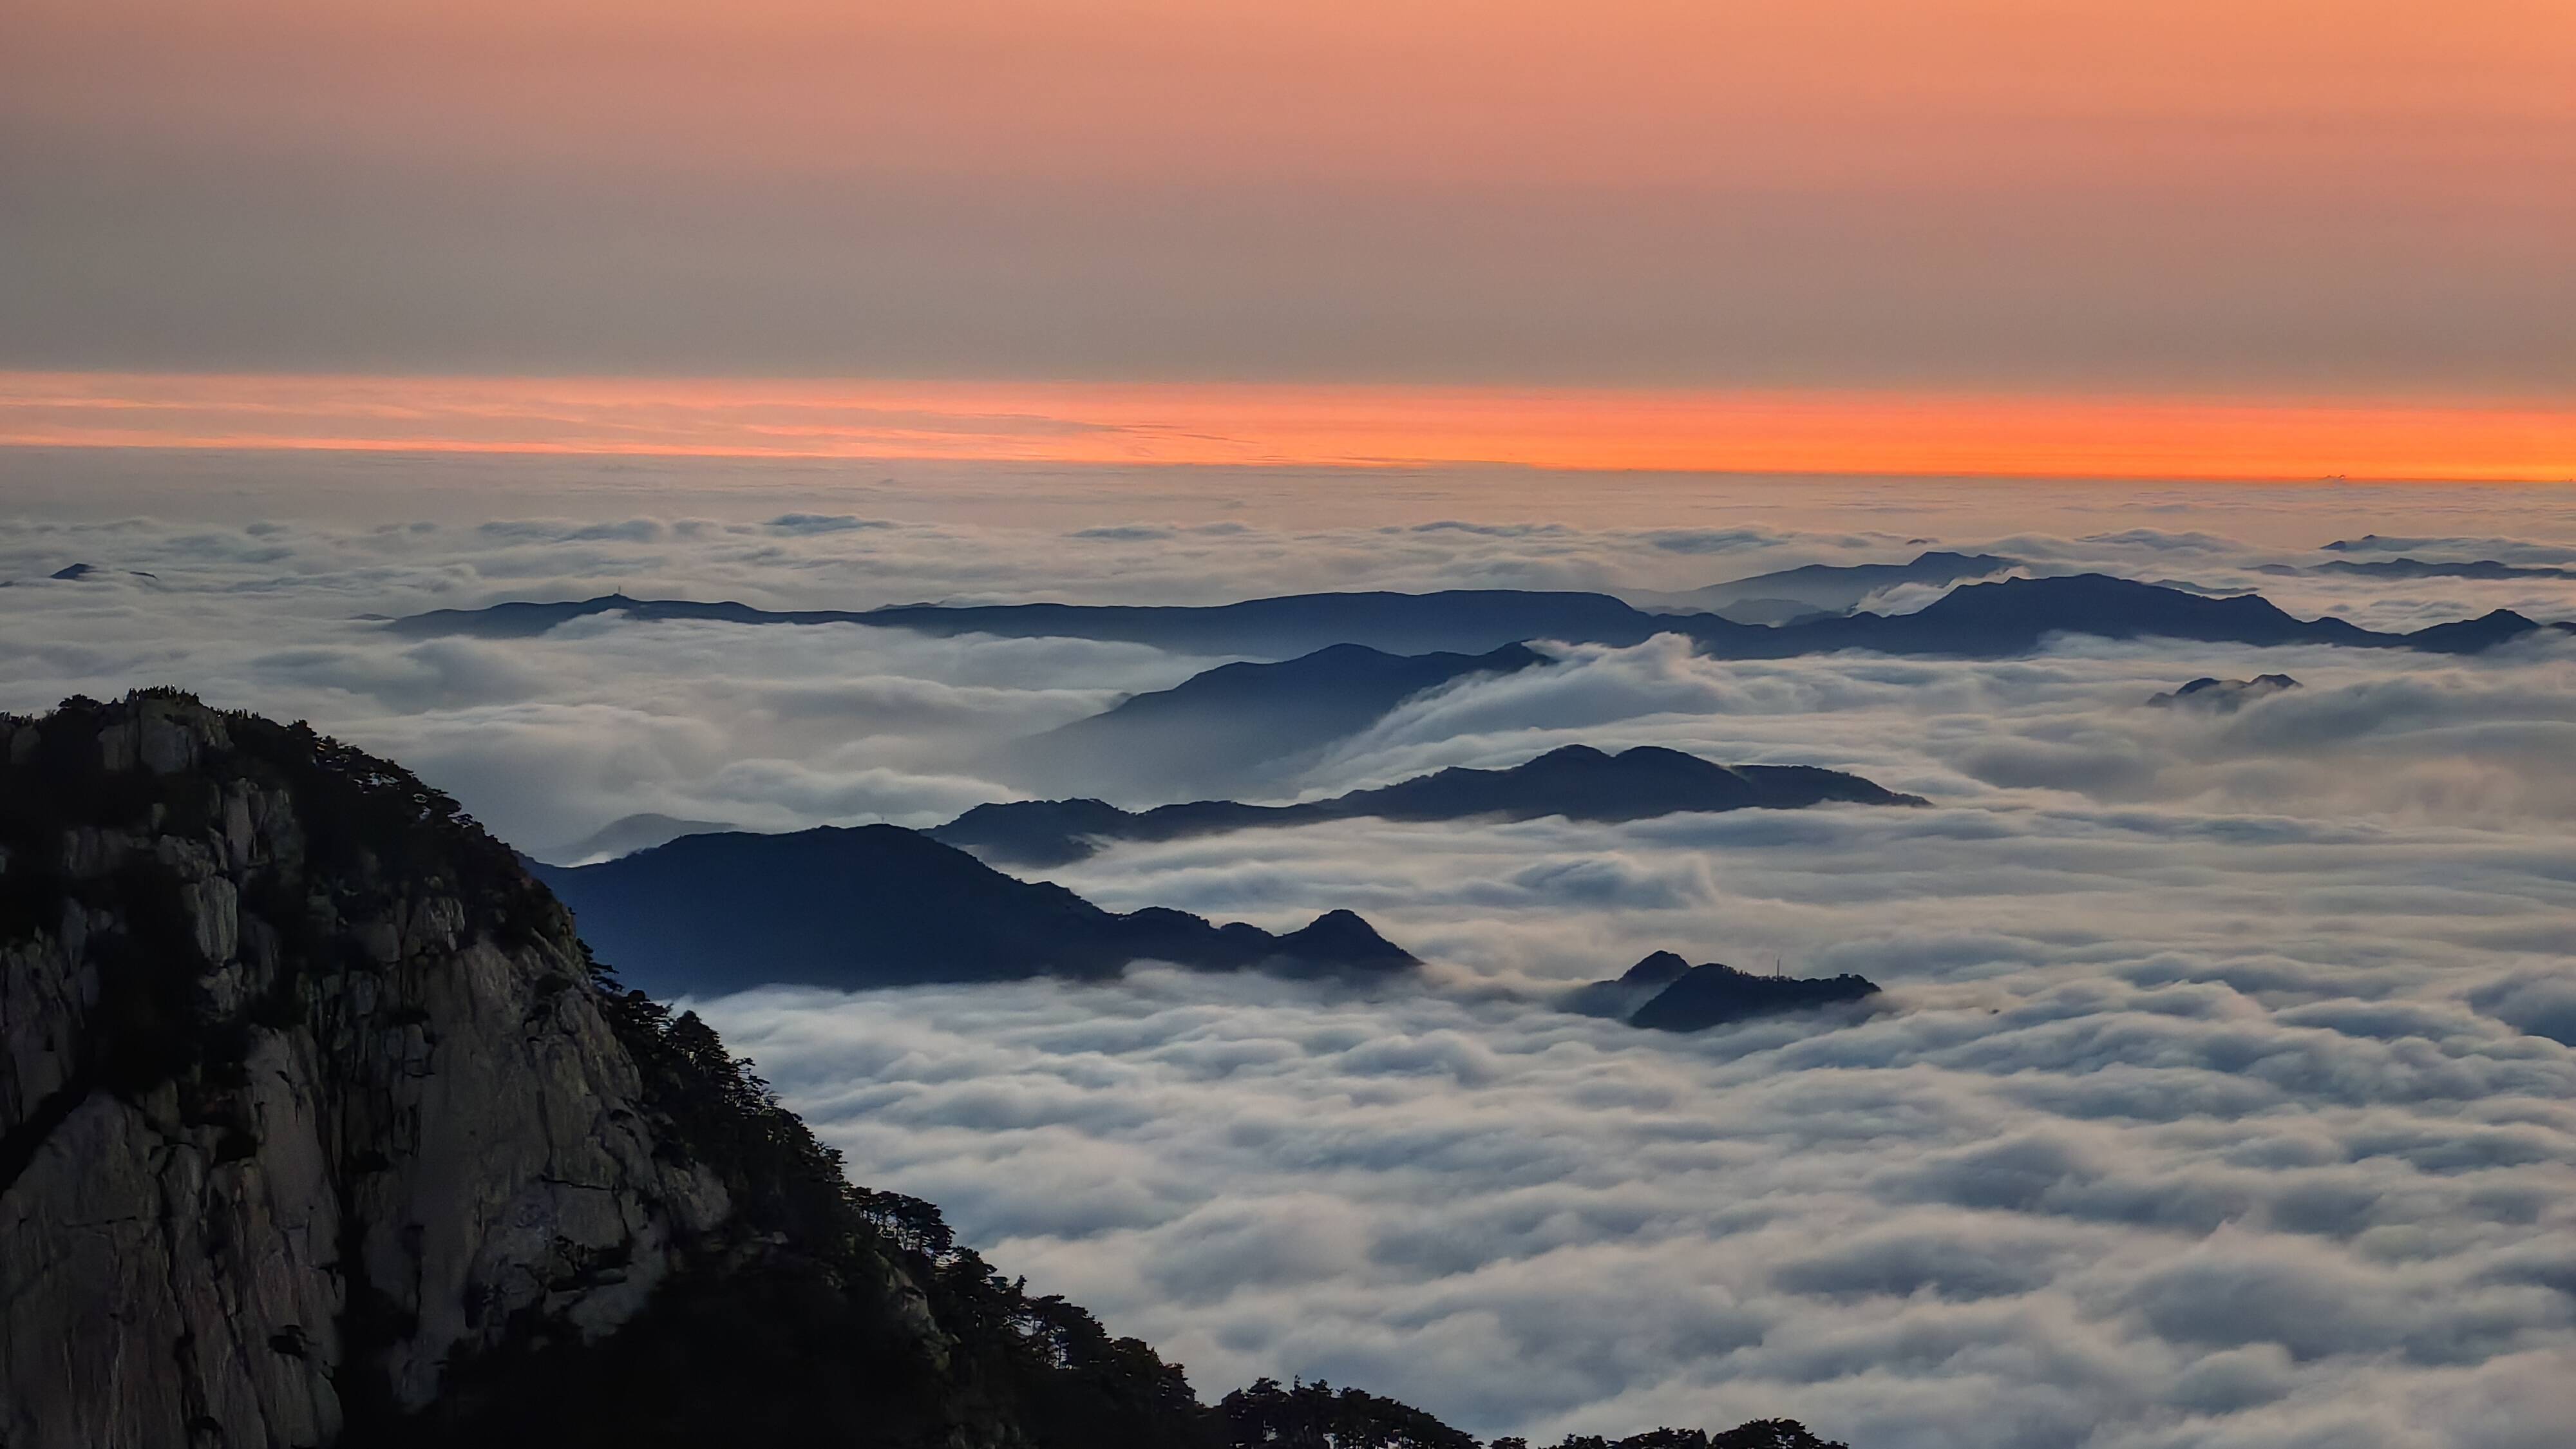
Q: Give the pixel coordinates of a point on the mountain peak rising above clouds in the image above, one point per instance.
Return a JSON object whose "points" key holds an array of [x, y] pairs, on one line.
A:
{"points": [[1665, 992], [319, 1127], [2224, 696], [1575, 781], [878, 905]]}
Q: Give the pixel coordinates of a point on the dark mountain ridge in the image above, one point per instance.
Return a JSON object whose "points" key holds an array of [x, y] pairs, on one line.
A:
{"points": [[2418, 568], [1977, 620], [319, 1127], [1466, 621], [1575, 781], [877, 905]]}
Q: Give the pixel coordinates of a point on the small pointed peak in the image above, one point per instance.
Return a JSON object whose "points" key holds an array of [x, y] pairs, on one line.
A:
{"points": [[1658, 966]]}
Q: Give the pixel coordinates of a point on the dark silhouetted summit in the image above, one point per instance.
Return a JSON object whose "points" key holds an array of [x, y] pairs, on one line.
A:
{"points": [[878, 905], [1714, 995], [1666, 993], [1619, 999], [2226, 696], [1576, 781]]}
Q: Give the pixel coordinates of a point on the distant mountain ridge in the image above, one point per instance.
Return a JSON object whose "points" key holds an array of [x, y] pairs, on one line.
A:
{"points": [[1576, 781], [878, 905], [1462, 621], [2418, 568], [1977, 620]]}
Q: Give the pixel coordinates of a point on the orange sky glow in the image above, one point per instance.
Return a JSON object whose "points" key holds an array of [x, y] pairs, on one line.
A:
{"points": [[1301, 425]]}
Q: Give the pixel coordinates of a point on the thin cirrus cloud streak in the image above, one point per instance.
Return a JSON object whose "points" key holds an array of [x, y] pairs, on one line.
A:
{"points": [[1643, 429]]}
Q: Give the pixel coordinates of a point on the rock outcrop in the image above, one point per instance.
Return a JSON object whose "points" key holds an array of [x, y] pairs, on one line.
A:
{"points": [[291, 1112]]}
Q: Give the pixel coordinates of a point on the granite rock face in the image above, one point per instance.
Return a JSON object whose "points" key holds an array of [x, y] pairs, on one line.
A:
{"points": [[288, 1122]]}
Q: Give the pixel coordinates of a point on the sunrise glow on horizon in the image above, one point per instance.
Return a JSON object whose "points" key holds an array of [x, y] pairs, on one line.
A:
{"points": [[1204, 424]]}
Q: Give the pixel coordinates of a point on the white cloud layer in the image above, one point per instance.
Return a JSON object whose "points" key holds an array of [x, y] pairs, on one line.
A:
{"points": [[2224, 1092]]}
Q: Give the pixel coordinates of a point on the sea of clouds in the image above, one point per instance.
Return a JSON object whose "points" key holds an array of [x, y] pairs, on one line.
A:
{"points": [[2223, 1092]]}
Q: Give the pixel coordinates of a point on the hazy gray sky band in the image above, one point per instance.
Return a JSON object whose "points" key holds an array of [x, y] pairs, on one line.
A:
{"points": [[233, 263], [2202, 196]]}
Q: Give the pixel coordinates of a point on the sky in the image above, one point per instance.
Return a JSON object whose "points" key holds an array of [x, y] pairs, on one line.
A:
{"points": [[2220, 1094], [1980, 207]]}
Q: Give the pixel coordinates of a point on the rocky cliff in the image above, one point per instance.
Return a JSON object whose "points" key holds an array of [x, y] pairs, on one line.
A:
{"points": [[319, 1126], [308, 1095]]}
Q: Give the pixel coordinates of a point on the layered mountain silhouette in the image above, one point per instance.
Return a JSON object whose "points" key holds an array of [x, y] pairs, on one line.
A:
{"points": [[1977, 620], [1664, 992], [2224, 696], [320, 1127], [1216, 729], [1576, 781], [877, 905], [1461, 621], [1790, 594]]}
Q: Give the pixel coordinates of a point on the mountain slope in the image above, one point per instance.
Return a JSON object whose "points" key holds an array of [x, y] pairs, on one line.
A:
{"points": [[1219, 728], [319, 1127], [882, 906], [1575, 781]]}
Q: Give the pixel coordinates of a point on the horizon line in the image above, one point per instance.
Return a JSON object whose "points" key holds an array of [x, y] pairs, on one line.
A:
{"points": [[1925, 433]]}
